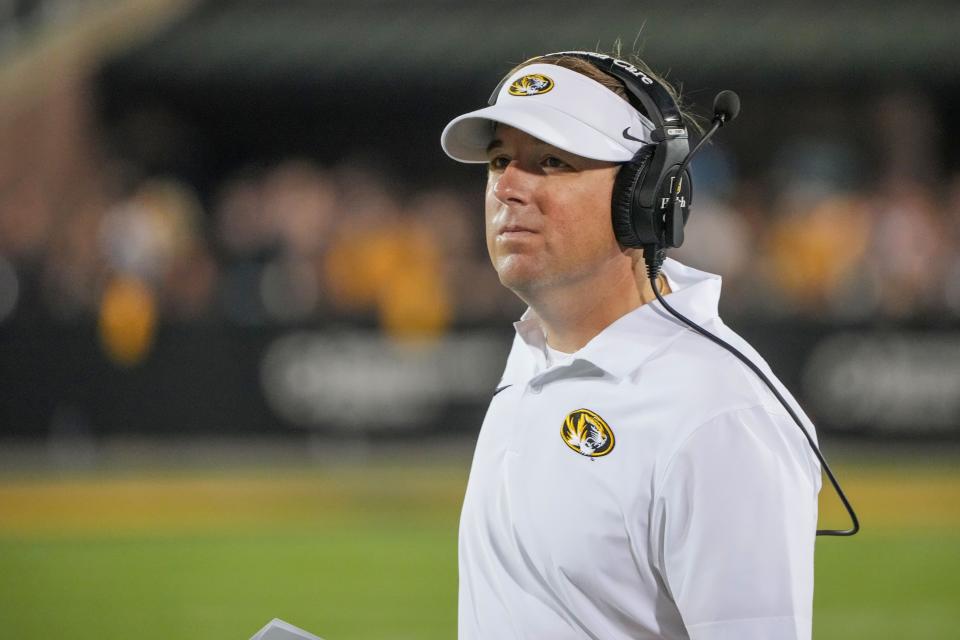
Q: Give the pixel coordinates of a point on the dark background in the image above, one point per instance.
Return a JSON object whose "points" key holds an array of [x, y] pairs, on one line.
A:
{"points": [[836, 193]]}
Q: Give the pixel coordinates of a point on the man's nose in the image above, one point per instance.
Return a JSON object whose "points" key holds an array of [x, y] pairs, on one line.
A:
{"points": [[513, 186]]}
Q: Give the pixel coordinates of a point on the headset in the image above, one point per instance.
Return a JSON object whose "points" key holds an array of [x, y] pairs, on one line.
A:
{"points": [[652, 195], [646, 185]]}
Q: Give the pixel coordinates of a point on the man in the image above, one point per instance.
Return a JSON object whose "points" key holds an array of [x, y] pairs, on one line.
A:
{"points": [[631, 479]]}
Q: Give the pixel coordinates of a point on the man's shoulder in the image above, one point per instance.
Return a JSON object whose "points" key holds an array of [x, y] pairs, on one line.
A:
{"points": [[693, 367], [692, 383], [707, 387]]}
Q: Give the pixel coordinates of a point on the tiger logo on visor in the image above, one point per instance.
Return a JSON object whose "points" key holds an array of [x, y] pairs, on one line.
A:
{"points": [[587, 433], [530, 85]]}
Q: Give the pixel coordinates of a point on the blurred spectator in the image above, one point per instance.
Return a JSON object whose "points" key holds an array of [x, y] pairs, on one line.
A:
{"points": [[909, 249], [300, 202], [156, 259], [275, 228], [814, 245], [815, 241], [128, 320], [388, 263]]}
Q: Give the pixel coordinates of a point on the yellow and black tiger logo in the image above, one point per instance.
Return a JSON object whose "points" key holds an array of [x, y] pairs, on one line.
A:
{"points": [[587, 433], [530, 85]]}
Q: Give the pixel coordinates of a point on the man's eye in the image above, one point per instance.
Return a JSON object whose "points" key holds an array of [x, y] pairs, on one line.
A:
{"points": [[554, 162], [499, 163]]}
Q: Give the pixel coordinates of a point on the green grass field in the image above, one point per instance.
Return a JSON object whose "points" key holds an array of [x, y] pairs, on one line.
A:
{"points": [[368, 550]]}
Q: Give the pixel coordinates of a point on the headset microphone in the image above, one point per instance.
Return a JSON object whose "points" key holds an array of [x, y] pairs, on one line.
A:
{"points": [[726, 106]]}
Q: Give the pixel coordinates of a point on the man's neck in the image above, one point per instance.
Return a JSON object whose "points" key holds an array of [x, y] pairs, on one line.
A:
{"points": [[572, 315]]}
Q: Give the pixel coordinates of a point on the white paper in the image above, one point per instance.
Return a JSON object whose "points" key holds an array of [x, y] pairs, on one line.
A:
{"points": [[277, 629]]}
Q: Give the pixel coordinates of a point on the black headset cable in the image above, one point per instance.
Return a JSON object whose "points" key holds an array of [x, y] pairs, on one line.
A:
{"points": [[653, 258]]}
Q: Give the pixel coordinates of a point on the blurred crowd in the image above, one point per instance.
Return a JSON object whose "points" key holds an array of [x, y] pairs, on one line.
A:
{"points": [[299, 243], [292, 244], [810, 239]]}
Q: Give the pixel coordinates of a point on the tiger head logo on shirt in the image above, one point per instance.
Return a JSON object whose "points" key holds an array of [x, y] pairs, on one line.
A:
{"points": [[587, 433]]}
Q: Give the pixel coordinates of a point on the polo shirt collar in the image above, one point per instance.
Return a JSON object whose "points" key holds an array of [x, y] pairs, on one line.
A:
{"points": [[636, 336]]}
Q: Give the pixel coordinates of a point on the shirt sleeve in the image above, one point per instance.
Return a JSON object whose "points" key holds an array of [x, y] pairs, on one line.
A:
{"points": [[734, 525]]}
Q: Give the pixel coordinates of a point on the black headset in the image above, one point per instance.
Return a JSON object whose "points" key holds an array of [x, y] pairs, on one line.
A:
{"points": [[642, 210]]}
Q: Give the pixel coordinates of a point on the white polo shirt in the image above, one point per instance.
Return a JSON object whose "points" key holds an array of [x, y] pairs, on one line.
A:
{"points": [[649, 487]]}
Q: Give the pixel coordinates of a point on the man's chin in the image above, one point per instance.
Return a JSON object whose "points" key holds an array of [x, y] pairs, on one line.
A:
{"points": [[520, 280], [514, 276]]}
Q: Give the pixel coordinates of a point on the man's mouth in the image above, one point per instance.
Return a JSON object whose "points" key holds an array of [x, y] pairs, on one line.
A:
{"points": [[514, 229]]}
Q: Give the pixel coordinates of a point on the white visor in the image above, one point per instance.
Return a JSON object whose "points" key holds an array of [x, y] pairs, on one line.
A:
{"points": [[561, 107]]}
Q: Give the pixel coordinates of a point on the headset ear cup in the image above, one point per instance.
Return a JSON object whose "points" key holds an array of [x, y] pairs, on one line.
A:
{"points": [[631, 174]]}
